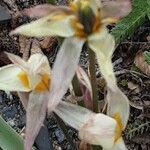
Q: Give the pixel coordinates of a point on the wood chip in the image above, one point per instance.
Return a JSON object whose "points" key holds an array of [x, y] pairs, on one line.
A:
{"points": [[141, 63]]}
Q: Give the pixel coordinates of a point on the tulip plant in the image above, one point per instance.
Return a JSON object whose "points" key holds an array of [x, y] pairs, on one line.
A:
{"points": [[83, 21]]}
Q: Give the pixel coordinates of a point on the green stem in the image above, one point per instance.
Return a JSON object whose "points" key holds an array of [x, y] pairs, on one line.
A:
{"points": [[92, 69], [77, 90], [53, 2]]}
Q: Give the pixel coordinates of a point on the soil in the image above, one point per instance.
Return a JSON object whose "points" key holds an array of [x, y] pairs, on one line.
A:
{"points": [[137, 134]]}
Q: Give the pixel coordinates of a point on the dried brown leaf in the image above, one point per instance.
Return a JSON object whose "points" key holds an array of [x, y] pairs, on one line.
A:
{"points": [[141, 63], [84, 146], [35, 48], [48, 42]]}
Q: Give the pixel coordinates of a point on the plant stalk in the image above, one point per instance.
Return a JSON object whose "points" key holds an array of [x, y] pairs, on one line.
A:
{"points": [[92, 70], [77, 90]]}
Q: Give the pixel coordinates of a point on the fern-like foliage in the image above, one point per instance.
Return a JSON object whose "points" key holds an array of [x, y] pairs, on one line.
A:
{"points": [[137, 128], [127, 26]]}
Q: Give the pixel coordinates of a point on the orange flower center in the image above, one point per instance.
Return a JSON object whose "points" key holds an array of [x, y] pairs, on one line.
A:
{"points": [[40, 87], [119, 127], [85, 22]]}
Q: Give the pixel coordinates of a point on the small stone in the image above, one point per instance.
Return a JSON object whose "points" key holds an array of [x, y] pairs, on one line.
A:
{"points": [[60, 136], [4, 15]]}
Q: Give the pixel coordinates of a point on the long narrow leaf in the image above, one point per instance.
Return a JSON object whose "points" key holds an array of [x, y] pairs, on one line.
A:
{"points": [[9, 139]]}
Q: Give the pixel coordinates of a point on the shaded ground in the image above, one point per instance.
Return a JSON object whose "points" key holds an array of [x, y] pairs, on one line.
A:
{"points": [[135, 84]]}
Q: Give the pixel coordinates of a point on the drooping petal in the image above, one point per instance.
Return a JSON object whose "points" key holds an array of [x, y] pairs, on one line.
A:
{"points": [[97, 129], [117, 8], [118, 106], [73, 115], [9, 79], [35, 114], [103, 44], [44, 10], [119, 145], [52, 25], [118, 103], [17, 61], [64, 69]]}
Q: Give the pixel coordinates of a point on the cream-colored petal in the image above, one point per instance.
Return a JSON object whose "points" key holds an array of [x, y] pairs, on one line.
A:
{"points": [[36, 112], [119, 145], [95, 5], [51, 25], [103, 44], [72, 114], [38, 65], [64, 69], [97, 129], [9, 79], [17, 61], [118, 104]]}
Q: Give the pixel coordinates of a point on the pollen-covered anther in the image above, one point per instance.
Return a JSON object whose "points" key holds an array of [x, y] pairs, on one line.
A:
{"points": [[24, 79], [43, 84], [79, 28], [119, 126]]}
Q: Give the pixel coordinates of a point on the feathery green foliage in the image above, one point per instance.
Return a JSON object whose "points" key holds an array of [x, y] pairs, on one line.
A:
{"points": [[127, 26], [147, 57], [9, 139]]}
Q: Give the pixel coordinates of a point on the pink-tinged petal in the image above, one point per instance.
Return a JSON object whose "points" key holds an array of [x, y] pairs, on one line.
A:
{"points": [[116, 8], [17, 61], [64, 69], [118, 104], [24, 97], [35, 114], [97, 129], [85, 87], [44, 10], [72, 114]]}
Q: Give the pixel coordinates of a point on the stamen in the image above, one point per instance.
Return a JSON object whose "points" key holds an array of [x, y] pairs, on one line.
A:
{"points": [[43, 84], [24, 79], [119, 126]]}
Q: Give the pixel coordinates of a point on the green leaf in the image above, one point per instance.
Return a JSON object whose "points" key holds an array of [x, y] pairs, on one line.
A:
{"points": [[127, 26], [148, 10], [9, 139], [51, 1], [147, 57]]}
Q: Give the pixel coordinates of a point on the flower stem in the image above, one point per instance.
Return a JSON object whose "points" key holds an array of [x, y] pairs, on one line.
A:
{"points": [[76, 88], [92, 70]]}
